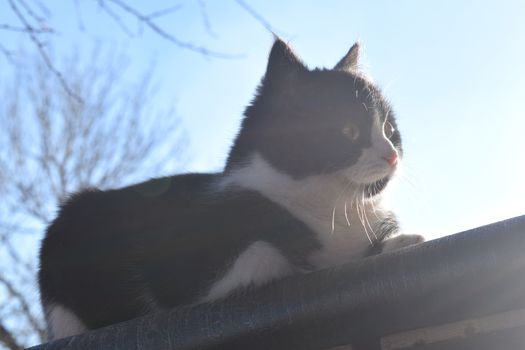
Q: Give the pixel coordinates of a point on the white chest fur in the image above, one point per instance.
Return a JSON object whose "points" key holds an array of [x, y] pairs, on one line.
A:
{"points": [[330, 205]]}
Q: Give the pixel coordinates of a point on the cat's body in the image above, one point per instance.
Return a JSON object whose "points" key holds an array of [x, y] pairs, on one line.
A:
{"points": [[301, 191]]}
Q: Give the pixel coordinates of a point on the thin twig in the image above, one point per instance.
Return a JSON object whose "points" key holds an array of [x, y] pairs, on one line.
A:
{"points": [[115, 17], [167, 36], [164, 12], [12, 28], [43, 8], [26, 310], [40, 47], [41, 20], [8, 54], [7, 338], [256, 15], [80, 19], [13, 254], [206, 19]]}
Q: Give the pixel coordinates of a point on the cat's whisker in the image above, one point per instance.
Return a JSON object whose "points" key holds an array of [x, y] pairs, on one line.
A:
{"points": [[346, 215], [358, 209], [369, 226], [366, 231], [365, 215], [409, 180], [372, 203], [333, 219], [370, 92], [339, 196], [360, 213], [406, 173], [418, 192]]}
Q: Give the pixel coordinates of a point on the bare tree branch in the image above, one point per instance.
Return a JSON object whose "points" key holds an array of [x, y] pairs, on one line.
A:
{"points": [[60, 146], [256, 15], [30, 31], [115, 17], [78, 13], [13, 254], [35, 323], [34, 23], [164, 12], [40, 19], [7, 338], [43, 8], [61, 133], [24, 29], [206, 19], [8, 54], [148, 21]]}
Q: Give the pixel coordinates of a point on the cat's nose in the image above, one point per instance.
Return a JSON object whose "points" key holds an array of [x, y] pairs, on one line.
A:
{"points": [[391, 158]]}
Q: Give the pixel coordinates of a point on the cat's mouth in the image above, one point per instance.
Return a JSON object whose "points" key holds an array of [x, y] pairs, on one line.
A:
{"points": [[373, 176], [376, 187], [371, 186]]}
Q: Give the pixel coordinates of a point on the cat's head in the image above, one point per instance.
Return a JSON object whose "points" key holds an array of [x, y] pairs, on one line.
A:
{"points": [[323, 121]]}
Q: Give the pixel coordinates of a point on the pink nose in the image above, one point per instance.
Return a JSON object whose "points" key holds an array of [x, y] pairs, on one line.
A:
{"points": [[391, 158]]}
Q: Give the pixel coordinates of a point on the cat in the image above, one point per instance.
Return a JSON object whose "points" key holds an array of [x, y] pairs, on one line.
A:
{"points": [[301, 191]]}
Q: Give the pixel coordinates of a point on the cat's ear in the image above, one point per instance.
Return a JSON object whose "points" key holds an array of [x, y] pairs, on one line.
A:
{"points": [[282, 62], [350, 61]]}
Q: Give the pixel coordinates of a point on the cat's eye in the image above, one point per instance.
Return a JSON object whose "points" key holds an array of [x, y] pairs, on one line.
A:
{"points": [[351, 131], [389, 129]]}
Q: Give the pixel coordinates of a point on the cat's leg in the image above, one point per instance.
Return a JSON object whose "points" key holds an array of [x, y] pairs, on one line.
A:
{"points": [[389, 228], [258, 264]]}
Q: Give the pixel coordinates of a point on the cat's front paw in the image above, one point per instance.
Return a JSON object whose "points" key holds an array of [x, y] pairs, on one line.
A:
{"points": [[401, 241]]}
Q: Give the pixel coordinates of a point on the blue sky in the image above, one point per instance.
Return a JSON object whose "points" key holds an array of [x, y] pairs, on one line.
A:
{"points": [[453, 71]]}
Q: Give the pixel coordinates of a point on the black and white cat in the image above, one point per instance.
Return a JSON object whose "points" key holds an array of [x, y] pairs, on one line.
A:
{"points": [[301, 191]]}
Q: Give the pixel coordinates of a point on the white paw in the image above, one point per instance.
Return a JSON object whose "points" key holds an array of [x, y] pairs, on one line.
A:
{"points": [[401, 241]]}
